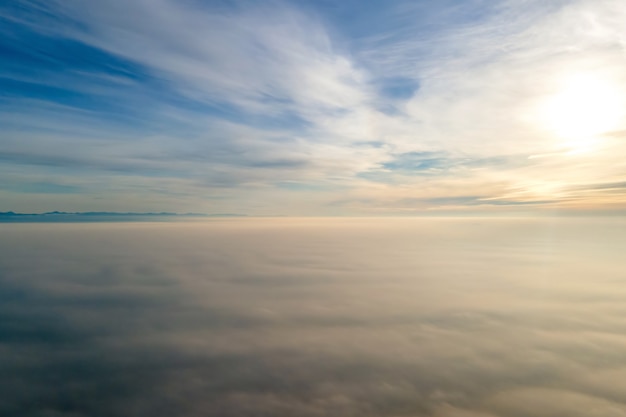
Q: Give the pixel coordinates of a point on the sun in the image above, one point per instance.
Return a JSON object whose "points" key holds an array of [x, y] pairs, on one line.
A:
{"points": [[585, 107]]}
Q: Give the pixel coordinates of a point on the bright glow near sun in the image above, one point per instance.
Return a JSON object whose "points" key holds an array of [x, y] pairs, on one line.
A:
{"points": [[585, 107]]}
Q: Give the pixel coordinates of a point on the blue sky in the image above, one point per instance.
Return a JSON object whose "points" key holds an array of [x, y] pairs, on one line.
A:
{"points": [[312, 107]]}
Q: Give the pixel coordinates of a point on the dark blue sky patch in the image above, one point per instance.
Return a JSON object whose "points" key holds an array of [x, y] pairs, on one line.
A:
{"points": [[42, 15], [92, 110], [70, 73], [30, 52], [398, 88], [411, 164], [422, 163], [417, 161], [21, 89], [359, 20], [44, 54]]}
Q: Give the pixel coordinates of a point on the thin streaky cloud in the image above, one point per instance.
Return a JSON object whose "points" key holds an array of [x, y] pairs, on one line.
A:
{"points": [[250, 95]]}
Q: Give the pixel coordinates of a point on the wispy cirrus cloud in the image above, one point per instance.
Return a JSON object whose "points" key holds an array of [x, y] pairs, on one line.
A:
{"points": [[236, 99]]}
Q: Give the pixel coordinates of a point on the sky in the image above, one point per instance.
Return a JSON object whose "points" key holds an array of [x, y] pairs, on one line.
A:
{"points": [[313, 107], [333, 317]]}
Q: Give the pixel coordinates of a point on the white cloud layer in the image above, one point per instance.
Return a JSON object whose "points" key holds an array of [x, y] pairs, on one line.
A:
{"points": [[314, 317]]}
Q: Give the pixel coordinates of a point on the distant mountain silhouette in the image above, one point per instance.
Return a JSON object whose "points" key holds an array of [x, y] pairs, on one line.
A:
{"points": [[9, 216]]}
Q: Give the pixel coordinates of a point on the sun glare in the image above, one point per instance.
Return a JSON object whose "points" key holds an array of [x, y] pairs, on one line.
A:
{"points": [[586, 107]]}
